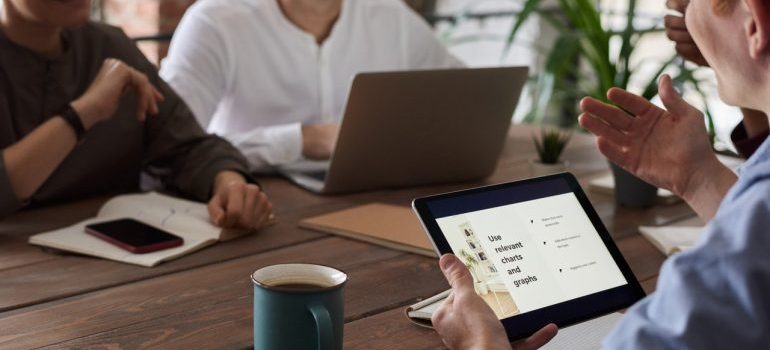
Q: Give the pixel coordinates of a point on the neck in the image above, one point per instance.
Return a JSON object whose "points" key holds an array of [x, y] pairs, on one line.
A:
{"points": [[39, 37], [316, 17]]}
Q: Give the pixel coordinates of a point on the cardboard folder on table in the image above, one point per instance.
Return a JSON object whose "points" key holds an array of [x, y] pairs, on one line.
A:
{"points": [[391, 226]]}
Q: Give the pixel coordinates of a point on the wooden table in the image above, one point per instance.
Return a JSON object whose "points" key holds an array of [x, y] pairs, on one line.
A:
{"points": [[203, 301]]}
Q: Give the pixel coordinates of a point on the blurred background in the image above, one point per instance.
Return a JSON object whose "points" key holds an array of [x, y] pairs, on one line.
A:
{"points": [[479, 33]]}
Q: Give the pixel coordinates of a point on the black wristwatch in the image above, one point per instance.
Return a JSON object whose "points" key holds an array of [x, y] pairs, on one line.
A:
{"points": [[70, 115]]}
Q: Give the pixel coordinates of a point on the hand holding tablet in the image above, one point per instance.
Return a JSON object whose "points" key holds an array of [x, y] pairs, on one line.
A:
{"points": [[536, 249]]}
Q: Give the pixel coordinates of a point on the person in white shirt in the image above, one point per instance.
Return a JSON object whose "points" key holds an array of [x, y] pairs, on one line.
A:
{"points": [[272, 76]]}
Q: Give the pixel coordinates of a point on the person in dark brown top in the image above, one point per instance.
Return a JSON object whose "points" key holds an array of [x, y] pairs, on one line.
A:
{"points": [[82, 112]]}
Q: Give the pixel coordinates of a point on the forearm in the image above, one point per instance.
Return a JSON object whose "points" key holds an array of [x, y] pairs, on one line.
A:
{"points": [[32, 160], [707, 188]]}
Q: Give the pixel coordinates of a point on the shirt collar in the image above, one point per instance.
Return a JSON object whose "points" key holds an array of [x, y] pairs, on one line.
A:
{"points": [[290, 26]]}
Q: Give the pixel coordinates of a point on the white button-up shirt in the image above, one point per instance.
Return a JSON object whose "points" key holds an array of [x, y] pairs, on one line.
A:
{"points": [[253, 77]]}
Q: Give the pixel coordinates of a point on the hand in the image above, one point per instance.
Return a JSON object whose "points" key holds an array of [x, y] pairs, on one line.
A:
{"points": [[669, 149], [465, 321], [236, 204], [318, 140], [676, 31], [114, 79]]}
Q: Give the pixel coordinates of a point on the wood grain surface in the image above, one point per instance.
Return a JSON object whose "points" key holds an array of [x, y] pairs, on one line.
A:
{"points": [[203, 301]]}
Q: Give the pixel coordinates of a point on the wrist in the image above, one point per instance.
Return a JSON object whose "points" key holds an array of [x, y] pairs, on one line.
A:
{"points": [[87, 112], [225, 178], [493, 344], [707, 187]]}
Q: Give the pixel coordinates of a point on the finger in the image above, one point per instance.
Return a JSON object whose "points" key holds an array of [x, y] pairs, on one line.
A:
{"points": [[216, 210], [158, 95], [152, 101], [457, 274], [250, 207], [677, 5], [612, 115], [141, 106], [634, 104], [614, 152], [675, 104], [674, 22], [600, 128], [540, 338], [691, 52], [679, 36], [265, 211], [234, 205]]}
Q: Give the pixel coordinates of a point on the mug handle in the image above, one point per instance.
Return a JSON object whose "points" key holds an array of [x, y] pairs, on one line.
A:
{"points": [[323, 322]]}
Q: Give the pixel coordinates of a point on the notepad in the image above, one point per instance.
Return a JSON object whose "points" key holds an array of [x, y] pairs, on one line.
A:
{"points": [[391, 226], [606, 185], [672, 239], [186, 219]]}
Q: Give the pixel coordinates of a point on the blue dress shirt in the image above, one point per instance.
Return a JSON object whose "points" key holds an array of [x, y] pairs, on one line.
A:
{"points": [[717, 295]]}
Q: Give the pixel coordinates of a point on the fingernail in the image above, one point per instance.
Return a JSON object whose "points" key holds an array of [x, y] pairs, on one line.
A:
{"points": [[446, 262]]}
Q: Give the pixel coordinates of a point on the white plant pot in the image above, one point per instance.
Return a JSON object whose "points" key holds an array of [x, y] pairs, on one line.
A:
{"points": [[539, 169]]}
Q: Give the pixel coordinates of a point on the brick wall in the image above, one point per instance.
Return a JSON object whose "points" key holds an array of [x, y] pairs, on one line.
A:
{"points": [[149, 17]]}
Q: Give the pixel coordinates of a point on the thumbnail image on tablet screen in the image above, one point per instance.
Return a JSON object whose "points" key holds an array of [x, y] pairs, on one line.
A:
{"points": [[529, 245]]}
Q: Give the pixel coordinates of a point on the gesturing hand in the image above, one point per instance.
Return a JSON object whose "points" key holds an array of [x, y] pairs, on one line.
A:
{"points": [[114, 79], [676, 31], [236, 204], [465, 321], [669, 149]]}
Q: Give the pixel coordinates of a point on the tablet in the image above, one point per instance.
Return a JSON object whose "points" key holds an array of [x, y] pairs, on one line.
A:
{"points": [[537, 250]]}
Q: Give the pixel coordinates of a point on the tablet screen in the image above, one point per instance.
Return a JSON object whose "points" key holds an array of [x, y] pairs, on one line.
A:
{"points": [[529, 245]]}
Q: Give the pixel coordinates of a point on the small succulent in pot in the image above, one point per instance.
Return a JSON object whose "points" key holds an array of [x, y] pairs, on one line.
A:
{"points": [[551, 144]]}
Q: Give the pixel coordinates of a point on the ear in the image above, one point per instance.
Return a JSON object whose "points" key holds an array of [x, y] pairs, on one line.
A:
{"points": [[757, 26]]}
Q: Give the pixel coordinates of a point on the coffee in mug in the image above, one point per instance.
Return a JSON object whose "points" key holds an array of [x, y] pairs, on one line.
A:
{"points": [[298, 306]]}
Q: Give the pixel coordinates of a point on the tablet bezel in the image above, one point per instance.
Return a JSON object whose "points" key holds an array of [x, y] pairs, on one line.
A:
{"points": [[565, 313]]}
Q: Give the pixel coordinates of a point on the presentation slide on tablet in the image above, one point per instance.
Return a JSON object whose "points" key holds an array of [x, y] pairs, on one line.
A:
{"points": [[529, 251]]}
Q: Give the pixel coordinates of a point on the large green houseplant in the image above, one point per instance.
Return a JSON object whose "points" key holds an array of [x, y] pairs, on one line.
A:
{"points": [[581, 63]]}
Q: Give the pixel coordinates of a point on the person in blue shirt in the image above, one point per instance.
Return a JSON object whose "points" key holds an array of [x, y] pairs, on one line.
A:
{"points": [[716, 295]]}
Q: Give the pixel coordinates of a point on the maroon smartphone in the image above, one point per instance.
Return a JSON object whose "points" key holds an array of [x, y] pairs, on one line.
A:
{"points": [[134, 236]]}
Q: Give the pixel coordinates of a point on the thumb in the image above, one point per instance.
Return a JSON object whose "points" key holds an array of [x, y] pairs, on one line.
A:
{"points": [[456, 274], [674, 102], [216, 209]]}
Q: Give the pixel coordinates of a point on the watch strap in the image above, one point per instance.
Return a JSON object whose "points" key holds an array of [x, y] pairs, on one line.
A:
{"points": [[70, 115]]}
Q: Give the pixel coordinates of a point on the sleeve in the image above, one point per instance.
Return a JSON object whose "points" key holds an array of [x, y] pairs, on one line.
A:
{"points": [[176, 149], [422, 48], [181, 154], [267, 147], [746, 145], [714, 296], [197, 67], [8, 201]]}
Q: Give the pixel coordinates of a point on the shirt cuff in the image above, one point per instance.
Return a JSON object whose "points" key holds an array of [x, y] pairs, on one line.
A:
{"points": [[746, 145], [203, 186], [289, 140], [8, 201]]}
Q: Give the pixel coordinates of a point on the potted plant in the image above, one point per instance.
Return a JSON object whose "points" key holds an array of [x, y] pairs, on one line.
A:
{"points": [[581, 64], [470, 263], [549, 148]]}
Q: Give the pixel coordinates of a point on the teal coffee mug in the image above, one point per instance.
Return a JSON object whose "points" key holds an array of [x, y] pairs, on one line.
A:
{"points": [[298, 306]]}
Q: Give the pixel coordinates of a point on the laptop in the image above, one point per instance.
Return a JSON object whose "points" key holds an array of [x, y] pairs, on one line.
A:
{"points": [[411, 128]]}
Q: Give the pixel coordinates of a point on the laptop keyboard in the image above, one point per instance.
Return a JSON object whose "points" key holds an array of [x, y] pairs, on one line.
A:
{"points": [[318, 175]]}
